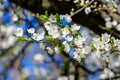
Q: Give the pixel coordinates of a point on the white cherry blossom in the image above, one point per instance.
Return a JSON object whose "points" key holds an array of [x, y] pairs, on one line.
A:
{"points": [[31, 30], [38, 36], [114, 23], [49, 50], [87, 10], [99, 45], [107, 47], [76, 1], [67, 47], [118, 27], [105, 38], [65, 32], [47, 25], [69, 37], [68, 18], [15, 17], [79, 41], [19, 32], [96, 39], [108, 72], [83, 51], [56, 35], [77, 56], [54, 31], [57, 50], [75, 27], [42, 45], [108, 24], [52, 18]]}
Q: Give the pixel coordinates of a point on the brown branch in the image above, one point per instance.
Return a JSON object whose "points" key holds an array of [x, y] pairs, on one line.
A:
{"points": [[79, 10]]}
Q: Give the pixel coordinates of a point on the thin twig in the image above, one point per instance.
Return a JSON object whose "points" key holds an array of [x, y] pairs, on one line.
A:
{"points": [[79, 10]]}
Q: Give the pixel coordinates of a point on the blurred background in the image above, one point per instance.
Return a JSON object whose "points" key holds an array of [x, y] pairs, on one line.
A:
{"points": [[27, 61]]}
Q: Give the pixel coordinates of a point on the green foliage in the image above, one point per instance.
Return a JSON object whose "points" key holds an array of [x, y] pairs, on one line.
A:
{"points": [[72, 44], [58, 18], [46, 13], [61, 48], [78, 34], [108, 28], [78, 4], [100, 38], [92, 46], [49, 38], [23, 38], [14, 35], [45, 16], [68, 27], [112, 41]]}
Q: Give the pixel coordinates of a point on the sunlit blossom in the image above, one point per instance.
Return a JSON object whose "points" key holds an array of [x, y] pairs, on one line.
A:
{"points": [[19, 32], [31, 30], [38, 36]]}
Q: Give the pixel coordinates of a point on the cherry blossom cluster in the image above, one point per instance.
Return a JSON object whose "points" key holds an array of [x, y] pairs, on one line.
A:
{"points": [[112, 5], [112, 23], [104, 44], [65, 35]]}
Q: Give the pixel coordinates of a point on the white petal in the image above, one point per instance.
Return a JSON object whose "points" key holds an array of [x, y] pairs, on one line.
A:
{"points": [[49, 50], [57, 50], [75, 27], [15, 17], [19, 32], [56, 35], [69, 38], [67, 47], [68, 18], [31, 30], [38, 36], [87, 10]]}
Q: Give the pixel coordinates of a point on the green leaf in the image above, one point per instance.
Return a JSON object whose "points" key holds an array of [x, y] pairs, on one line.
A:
{"points": [[46, 13], [92, 46], [21, 38], [72, 44], [100, 38], [78, 34], [78, 4], [56, 42], [43, 17], [61, 48], [28, 39], [112, 41], [108, 28], [68, 27], [49, 38], [14, 35], [25, 39], [58, 18]]}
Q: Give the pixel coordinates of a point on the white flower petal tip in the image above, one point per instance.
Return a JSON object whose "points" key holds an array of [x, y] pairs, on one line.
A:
{"points": [[19, 32], [31, 30]]}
